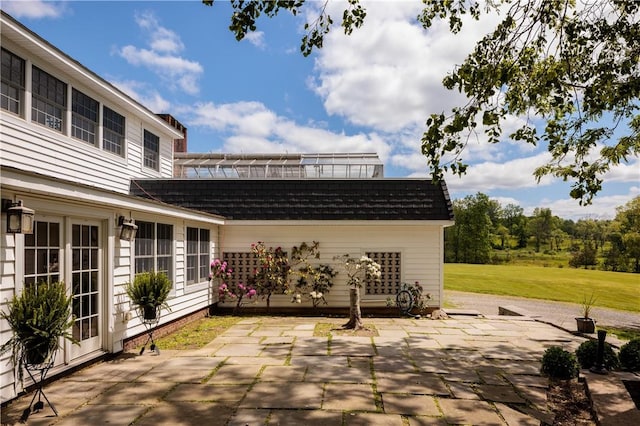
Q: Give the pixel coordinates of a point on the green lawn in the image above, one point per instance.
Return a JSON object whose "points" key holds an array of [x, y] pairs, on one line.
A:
{"points": [[612, 289]]}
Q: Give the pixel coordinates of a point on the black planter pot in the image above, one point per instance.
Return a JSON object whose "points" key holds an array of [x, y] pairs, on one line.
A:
{"points": [[586, 325], [149, 312]]}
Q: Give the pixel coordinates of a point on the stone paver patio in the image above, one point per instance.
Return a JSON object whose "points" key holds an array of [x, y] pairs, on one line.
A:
{"points": [[263, 370]]}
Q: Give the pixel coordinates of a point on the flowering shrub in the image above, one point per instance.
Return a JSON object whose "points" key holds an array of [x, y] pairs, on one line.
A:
{"points": [[220, 274], [238, 293], [359, 270], [314, 283], [272, 274]]}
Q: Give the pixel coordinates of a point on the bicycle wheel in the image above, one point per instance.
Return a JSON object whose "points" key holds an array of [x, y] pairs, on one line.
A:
{"points": [[404, 300]]}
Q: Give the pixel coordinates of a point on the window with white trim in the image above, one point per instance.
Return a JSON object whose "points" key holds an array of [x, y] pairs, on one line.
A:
{"points": [[198, 255], [154, 248], [112, 131], [12, 90], [49, 99], [42, 251], [84, 118], [390, 274], [151, 150]]}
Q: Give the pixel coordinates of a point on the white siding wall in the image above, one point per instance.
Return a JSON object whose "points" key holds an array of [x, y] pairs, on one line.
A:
{"points": [[119, 320], [7, 289], [421, 248], [36, 148]]}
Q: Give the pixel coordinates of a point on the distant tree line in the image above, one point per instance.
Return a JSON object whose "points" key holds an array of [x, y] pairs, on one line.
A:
{"points": [[485, 230]]}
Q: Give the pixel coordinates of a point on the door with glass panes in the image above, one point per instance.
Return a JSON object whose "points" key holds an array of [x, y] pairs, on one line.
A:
{"points": [[86, 283], [45, 259]]}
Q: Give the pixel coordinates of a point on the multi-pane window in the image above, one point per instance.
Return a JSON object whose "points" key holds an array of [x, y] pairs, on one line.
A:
{"points": [[390, 273], [42, 253], [154, 248], [49, 99], [198, 255], [151, 150], [84, 120], [12, 82], [112, 131]]}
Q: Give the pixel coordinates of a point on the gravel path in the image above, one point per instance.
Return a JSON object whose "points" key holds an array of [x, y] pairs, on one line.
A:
{"points": [[558, 313]]}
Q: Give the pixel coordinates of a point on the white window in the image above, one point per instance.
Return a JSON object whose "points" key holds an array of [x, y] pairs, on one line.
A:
{"points": [[151, 150], [84, 120], [112, 131], [198, 255], [42, 251], [49, 100], [154, 248], [12, 82]]}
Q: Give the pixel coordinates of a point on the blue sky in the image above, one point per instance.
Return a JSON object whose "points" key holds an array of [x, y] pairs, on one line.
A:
{"points": [[368, 92]]}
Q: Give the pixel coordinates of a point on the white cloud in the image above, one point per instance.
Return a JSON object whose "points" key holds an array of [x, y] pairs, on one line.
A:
{"points": [[162, 57], [602, 207], [36, 9], [388, 74], [252, 127], [257, 39], [150, 99]]}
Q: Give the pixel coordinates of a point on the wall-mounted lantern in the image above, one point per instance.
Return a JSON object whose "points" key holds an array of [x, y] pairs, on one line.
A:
{"points": [[20, 219], [128, 228]]}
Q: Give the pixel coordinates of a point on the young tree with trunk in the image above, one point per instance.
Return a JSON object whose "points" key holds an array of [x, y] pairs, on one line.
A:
{"points": [[359, 271]]}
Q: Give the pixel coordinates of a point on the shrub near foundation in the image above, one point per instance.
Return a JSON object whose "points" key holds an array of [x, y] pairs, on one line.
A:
{"points": [[558, 363], [630, 355], [587, 354]]}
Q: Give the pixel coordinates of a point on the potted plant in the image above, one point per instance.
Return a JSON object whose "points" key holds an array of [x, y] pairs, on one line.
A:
{"points": [[149, 292], [39, 317], [585, 323]]}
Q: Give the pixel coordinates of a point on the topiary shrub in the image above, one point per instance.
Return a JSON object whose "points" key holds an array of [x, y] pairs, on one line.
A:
{"points": [[587, 354], [558, 363], [630, 355]]}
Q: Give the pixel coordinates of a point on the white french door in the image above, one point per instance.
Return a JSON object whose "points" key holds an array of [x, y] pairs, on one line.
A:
{"points": [[86, 287]]}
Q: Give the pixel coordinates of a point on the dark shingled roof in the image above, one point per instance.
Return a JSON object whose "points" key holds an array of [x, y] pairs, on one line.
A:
{"points": [[312, 199]]}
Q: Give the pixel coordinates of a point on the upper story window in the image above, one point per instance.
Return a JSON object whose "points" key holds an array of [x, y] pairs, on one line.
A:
{"points": [[12, 82], [84, 120], [49, 99], [112, 131], [151, 150], [154, 248]]}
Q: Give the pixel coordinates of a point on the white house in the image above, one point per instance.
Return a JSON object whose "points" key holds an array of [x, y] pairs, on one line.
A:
{"points": [[87, 158], [70, 144]]}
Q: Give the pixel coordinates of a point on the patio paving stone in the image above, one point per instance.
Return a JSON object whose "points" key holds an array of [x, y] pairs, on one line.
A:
{"points": [[417, 383], [284, 395], [236, 374], [499, 394], [349, 397], [372, 419], [118, 415], [469, 412], [239, 349], [281, 373], [305, 417], [516, 418], [187, 414], [409, 404], [198, 393]]}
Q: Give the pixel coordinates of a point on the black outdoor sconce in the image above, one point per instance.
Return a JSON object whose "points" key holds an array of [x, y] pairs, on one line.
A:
{"points": [[20, 220], [128, 229]]}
